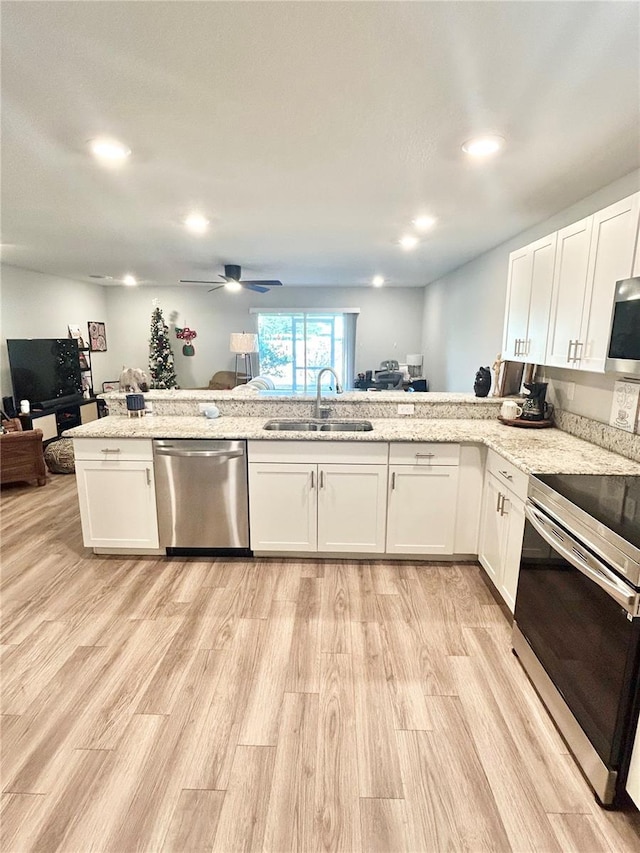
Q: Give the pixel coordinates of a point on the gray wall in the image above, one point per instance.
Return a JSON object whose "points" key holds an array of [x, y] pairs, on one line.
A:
{"points": [[464, 315], [389, 324], [37, 305], [42, 306]]}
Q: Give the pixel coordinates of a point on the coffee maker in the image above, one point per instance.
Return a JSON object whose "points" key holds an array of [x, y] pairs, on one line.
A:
{"points": [[534, 407]]}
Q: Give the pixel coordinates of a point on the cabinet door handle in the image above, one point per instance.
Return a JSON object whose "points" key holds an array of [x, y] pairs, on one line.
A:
{"points": [[527, 346], [499, 501], [110, 450], [148, 470], [506, 475], [502, 510], [569, 359], [393, 480], [321, 479], [313, 479], [516, 345], [576, 357]]}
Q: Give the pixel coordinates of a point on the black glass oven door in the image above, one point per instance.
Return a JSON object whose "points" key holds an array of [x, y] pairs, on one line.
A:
{"points": [[584, 639]]}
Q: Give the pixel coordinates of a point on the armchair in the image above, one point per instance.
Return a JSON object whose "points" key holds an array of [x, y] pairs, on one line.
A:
{"points": [[21, 455]]}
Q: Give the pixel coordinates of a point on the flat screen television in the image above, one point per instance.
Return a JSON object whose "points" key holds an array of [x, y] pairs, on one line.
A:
{"points": [[45, 371]]}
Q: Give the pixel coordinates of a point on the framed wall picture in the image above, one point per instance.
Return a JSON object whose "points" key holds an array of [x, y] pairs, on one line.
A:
{"points": [[76, 335], [110, 385], [97, 337]]}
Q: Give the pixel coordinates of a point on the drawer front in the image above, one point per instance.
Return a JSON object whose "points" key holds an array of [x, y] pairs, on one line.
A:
{"points": [[423, 453], [319, 451], [508, 475], [113, 449]]}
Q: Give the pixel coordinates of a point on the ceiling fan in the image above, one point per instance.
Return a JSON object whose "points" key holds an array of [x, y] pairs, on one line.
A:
{"points": [[231, 277]]}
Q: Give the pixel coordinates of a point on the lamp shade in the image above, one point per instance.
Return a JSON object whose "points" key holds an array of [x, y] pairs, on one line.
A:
{"points": [[243, 342]]}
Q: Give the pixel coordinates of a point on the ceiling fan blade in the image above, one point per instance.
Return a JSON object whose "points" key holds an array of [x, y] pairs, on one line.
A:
{"points": [[265, 283], [211, 289], [250, 285], [195, 281], [223, 276]]}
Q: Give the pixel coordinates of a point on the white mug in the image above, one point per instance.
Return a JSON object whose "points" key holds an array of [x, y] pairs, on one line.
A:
{"points": [[510, 410], [25, 408]]}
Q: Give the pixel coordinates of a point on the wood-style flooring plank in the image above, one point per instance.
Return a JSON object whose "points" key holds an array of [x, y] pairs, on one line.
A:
{"points": [[378, 762], [243, 816], [337, 801], [448, 796], [290, 820], [303, 674], [579, 833], [514, 789], [262, 717], [386, 827], [194, 822]]}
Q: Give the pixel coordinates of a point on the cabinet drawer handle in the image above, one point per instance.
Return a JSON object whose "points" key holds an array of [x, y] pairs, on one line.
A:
{"points": [[506, 475], [148, 470], [393, 481], [111, 450], [425, 455]]}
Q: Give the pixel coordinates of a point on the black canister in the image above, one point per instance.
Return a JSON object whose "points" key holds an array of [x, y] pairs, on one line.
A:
{"points": [[135, 405]]}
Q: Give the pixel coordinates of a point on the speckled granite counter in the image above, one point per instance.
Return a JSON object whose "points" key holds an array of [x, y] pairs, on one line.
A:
{"points": [[542, 451]]}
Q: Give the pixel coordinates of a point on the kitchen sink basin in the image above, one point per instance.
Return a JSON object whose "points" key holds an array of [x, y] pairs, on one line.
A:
{"points": [[311, 425]]}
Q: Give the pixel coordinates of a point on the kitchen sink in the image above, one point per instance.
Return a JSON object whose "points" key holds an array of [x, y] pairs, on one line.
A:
{"points": [[311, 425]]}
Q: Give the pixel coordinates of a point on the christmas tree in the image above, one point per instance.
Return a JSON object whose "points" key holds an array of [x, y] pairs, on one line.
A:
{"points": [[161, 367]]}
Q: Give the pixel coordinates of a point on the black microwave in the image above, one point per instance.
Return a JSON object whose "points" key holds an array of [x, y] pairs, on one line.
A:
{"points": [[624, 341]]}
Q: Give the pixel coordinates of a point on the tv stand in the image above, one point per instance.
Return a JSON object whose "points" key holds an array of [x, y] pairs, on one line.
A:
{"points": [[53, 421]]}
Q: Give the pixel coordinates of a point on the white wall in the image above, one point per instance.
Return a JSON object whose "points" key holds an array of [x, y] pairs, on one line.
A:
{"points": [[42, 306], [389, 324], [464, 315]]}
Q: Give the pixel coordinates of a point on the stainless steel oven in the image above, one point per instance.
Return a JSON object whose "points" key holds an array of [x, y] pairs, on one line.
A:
{"points": [[577, 616], [624, 341]]}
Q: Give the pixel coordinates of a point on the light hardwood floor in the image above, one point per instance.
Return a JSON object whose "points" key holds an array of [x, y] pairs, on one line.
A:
{"points": [[196, 705]]}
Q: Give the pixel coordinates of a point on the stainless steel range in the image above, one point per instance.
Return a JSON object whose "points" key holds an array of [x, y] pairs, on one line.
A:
{"points": [[577, 616]]}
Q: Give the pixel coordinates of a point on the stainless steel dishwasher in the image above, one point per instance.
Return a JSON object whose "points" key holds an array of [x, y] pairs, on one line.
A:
{"points": [[202, 497]]}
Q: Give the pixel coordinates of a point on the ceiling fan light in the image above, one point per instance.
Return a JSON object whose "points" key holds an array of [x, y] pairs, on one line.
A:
{"points": [[233, 286]]}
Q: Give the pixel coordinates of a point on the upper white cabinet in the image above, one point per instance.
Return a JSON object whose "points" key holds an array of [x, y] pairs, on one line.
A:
{"points": [[591, 255], [529, 289]]}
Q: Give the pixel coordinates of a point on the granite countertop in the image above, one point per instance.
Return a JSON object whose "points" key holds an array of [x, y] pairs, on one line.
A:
{"points": [[543, 451]]}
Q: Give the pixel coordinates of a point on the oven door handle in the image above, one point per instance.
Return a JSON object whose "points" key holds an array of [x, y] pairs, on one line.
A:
{"points": [[590, 567]]}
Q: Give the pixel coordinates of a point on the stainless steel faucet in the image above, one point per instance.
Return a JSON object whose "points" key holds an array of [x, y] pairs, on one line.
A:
{"points": [[321, 411]]}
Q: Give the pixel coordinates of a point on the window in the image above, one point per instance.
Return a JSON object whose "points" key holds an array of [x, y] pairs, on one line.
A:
{"points": [[295, 346]]}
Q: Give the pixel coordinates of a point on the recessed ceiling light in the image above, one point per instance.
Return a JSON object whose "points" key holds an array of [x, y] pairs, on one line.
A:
{"points": [[109, 150], [424, 223], [377, 281], [197, 223], [129, 280], [408, 242], [233, 285], [483, 146]]}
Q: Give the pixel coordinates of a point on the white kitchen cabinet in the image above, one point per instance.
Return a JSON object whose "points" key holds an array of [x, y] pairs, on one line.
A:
{"points": [[116, 492], [283, 506], [352, 503], [422, 509], [317, 497], [502, 526], [529, 287], [423, 494], [633, 779], [591, 256]]}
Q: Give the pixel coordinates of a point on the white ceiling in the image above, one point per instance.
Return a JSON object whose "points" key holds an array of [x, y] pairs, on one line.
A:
{"points": [[311, 133]]}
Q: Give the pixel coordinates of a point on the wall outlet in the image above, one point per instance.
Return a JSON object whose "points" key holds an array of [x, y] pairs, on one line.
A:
{"points": [[406, 408]]}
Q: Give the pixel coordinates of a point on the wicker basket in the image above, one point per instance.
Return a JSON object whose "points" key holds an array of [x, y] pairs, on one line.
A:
{"points": [[59, 456]]}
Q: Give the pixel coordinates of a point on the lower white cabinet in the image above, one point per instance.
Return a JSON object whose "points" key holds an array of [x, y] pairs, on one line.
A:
{"points": [[116, 493], [501, 529], [320, 503], [422, 509]]}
